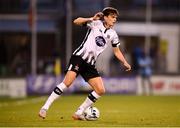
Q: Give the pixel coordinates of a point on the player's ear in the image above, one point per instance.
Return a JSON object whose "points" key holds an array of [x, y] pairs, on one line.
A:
{"points": [[102, 17]]}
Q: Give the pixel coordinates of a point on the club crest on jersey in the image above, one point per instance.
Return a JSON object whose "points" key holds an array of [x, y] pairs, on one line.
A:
{"points": [[100, 30], [100, 41]]}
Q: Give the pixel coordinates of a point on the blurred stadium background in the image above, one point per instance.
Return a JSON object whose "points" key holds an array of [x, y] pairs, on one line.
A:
{"points": [[37, 38]]}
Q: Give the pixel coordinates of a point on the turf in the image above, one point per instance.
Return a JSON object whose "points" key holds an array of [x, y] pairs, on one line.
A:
{"points": [[116, 111]]}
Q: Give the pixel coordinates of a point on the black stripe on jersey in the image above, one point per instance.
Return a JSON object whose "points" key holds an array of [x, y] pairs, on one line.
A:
{"points": [[86, 59], [92, 60], [106, 30], [83, 53], [115, 45], [85, 39]]}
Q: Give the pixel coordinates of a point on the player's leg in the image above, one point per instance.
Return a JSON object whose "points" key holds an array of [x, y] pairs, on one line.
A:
{"points": [[58, 90], [150, 85], [143, 82], [98, 90], [72, 71]]}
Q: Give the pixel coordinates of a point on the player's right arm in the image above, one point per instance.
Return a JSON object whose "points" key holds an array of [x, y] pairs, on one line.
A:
{"points": [[82, 20]]}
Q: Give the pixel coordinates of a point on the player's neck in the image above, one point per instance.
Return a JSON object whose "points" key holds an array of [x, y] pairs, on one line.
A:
{"points": [[107, 25]]}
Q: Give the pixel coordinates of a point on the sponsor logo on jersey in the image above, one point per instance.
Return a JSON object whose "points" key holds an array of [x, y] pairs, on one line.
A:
{"points": [[100, 41]]}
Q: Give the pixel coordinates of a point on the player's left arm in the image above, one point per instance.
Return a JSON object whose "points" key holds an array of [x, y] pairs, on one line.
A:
{"points": [[82, 20], [120, 57]]}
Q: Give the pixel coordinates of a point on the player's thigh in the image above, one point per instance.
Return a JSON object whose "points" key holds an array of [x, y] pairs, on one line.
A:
{"points": [[69, 78], [97, 85]]}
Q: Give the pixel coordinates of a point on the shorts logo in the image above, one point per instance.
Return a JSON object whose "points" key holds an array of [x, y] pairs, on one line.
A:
{"points": [[76, 68], [100, 41]]}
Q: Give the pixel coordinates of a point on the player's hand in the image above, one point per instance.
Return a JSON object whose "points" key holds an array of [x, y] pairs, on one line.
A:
{"points": [[98, 16], [128, 67]]}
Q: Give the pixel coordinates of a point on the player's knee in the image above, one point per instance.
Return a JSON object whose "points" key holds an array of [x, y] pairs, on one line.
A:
{"points": [[101, 91]]}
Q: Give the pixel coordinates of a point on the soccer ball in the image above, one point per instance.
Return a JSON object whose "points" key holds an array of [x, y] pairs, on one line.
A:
{"points": [[91, 113]]}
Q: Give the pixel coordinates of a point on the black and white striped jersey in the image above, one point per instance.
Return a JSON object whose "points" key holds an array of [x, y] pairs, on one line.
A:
{"points": [[96, 41]]}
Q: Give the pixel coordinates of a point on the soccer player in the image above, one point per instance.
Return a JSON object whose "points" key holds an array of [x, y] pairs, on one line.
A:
{"points": [[83, 59]]}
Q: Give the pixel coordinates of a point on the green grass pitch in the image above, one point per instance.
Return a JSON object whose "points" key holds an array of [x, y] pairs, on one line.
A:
{"points": [[115, 111]]}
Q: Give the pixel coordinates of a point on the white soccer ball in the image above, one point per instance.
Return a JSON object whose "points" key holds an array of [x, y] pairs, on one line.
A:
{"points": [[91, 113]]}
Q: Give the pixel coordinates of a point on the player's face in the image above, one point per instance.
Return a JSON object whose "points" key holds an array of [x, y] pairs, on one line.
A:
{"points": [[110, 20]]}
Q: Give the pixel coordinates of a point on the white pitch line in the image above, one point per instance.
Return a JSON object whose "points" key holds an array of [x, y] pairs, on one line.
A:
{"points": [[22, 102]]}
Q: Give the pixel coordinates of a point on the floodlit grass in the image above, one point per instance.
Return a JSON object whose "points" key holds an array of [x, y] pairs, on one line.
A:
{"points": [[115, 111]]}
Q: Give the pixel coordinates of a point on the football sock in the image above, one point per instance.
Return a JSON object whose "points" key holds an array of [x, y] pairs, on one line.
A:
{"points": [[58, 90], [92, 97]]}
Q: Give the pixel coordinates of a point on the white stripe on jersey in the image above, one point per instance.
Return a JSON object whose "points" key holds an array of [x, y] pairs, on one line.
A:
{"points": [[96, 41]]}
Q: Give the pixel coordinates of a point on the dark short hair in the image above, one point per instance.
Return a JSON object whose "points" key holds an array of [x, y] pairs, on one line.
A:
{"points": [[110, 10]]}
